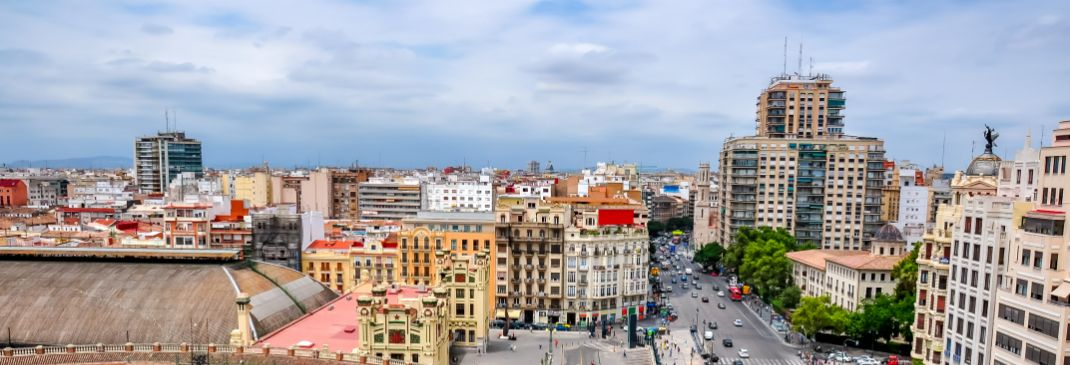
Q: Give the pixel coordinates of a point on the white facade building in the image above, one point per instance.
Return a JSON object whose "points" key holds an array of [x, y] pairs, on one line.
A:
{"points": [[459, 195]]}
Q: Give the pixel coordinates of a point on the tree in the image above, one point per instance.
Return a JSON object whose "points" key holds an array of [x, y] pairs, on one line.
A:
{"points": [[680, 223], [818, 314], [906, 274], [766, 267], [788, 298], [655, 228], [710, 254]]}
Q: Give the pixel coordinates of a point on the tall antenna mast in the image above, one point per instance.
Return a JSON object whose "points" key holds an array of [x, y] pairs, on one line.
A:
{"points": [[811, 66], [800, 58], [943, 148], [785, 72], [166, 121]]}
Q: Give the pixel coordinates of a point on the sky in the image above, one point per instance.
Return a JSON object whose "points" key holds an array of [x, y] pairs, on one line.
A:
{"points": [[410, 83]]}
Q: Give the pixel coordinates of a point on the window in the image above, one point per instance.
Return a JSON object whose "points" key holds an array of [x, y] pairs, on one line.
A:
{"points": [[1011, 314], [460, 309], [1037, 291], [1009, 343], [1044, 325], [1038, 355], [1026, 255], [397, 336], [1053, 261]]}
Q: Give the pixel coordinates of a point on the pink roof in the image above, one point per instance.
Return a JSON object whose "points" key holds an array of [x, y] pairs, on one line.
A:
{"points": [[335, 324], [7, 183], [105, 222]]}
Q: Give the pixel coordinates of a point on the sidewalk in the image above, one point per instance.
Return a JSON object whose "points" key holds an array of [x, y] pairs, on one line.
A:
{"points": [[765, 314]]}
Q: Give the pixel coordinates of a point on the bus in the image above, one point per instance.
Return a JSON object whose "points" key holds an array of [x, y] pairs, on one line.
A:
{"points": [[735, 294]]}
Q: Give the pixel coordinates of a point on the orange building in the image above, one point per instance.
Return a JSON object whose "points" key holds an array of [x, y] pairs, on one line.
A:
{"points": [[232, 230], [13, 193], [186, 225], [465, 233]]}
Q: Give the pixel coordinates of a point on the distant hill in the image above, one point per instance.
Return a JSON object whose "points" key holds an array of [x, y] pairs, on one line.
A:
{"points": [[96, 162]]}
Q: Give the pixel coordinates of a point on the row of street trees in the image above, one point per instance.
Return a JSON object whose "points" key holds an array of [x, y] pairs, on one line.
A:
{"points": [[883, 317], [759, 257]]}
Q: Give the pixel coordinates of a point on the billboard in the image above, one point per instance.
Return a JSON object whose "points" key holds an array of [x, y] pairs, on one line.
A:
{"points": [[670, 189], [616, 217]]}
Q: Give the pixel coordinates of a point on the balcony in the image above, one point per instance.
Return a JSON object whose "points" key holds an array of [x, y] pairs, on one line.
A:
{"points": [[528, 267], [583, 253], [542, 281], [542, 267], [529, 280], [583, 283]]}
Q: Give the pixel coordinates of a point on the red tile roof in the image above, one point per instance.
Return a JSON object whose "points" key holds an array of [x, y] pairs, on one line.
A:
{"points": [[335, 324], [391, 241], [333, 245]]}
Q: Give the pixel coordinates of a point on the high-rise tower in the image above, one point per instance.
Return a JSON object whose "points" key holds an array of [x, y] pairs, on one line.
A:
{"points": [[801, 172], [159, 158]]}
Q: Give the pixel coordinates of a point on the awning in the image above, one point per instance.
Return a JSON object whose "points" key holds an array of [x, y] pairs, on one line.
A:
{"points": [[1062, 291], [513, 313]]}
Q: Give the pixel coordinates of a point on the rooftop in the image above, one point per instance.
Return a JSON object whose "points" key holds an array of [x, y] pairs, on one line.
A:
{"points": [[8, 183], [335, 324]]}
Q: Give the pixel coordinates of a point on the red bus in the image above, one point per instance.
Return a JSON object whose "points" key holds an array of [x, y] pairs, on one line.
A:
{"points": [[735, 294]]}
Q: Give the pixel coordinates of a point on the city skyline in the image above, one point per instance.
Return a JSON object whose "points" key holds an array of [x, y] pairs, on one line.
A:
{"points": [[412, 85]]}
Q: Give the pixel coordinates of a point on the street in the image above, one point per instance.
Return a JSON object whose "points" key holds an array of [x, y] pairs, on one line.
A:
{"points": [[765, 346]]}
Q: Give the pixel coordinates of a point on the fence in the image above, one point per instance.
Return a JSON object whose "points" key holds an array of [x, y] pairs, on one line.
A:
{"points": [[197, 354]]}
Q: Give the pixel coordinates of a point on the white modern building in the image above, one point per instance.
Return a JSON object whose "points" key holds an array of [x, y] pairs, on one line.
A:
{"points": [[1018, 178], [457, 194]]}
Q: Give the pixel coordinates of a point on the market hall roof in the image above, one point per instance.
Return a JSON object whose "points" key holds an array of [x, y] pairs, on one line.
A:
{"points": [[51, 301]]}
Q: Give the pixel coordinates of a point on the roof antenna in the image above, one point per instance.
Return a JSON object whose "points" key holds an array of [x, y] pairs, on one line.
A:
{"points": [[800, 58], [166, 121], [943, 147], [811, 66], [785, 72]]}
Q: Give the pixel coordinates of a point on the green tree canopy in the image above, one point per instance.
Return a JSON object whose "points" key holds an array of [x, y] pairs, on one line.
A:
{"points": [[788, 298], [767, 267], [710, 254], [818, 314], [906, 274]]}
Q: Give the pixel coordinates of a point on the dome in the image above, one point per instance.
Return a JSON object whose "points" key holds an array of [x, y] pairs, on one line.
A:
{"points": [[145, 302], [986, 164], [888, 233]]}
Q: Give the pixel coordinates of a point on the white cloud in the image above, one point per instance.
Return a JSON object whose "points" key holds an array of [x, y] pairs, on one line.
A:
{"points": [[492, 80]]}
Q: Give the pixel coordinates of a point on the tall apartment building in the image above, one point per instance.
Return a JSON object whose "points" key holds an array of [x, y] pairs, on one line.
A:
{"points": [[159, 158], [800, 172], [913, 204], [1018, 178], [529, 235], [978, 251], [707, 216], [930, 312], [279, 237], [345, 199], [384, 199], [606, 261], [460, 195], [577, 260], [956, 254], [1033, 300]]}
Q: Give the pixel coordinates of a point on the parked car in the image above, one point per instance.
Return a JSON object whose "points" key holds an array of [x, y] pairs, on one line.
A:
{"points": [[694, 328], [866, 360], [892, 360], [712, 325], [708, 335]]}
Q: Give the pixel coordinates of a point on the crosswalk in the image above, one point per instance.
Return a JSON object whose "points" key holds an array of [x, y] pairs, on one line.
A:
{"points": [[757, 361]]}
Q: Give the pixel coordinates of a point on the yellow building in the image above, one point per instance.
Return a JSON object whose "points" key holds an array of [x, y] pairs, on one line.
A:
{"points": [[254, 188], [341, 265], [331, 263], [410, 324], [465, 233]]}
